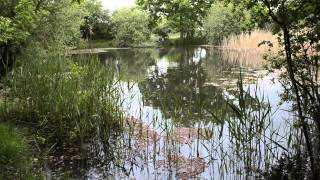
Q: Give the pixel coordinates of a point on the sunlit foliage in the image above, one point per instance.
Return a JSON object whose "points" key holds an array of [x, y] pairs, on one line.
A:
{"points": [[130, 27]]}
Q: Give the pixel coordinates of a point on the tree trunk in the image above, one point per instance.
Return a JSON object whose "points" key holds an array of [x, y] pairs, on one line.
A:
{"points": [[305, 128], [7, 57]]}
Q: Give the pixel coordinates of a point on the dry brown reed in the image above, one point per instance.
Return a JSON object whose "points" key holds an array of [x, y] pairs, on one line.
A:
{"points": [[251, 41]]}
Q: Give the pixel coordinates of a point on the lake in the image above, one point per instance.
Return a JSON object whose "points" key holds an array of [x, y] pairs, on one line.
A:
{"points": [[195, 112]]}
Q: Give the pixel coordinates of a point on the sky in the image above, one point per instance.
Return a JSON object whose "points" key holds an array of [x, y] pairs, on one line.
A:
{"points": [[116, 4]]}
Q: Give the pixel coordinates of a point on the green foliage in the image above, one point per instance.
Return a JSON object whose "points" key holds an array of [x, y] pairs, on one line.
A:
{"points": [[44, 23], [130, 27], [224, 20], [16, 28], [97, 24], [16, 24], [13, 150], [6, 30], [183, 15], [162, 30], [58, 24]]}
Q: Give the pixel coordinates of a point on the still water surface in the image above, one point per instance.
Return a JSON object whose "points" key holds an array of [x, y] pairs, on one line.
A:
{"points": [[185, 117]]}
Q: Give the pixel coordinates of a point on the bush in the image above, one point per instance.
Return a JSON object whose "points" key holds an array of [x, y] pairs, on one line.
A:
{"points": [[130, 27]]}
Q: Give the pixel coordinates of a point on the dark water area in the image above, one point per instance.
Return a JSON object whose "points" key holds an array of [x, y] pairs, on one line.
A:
{"points": [[187, 116]]}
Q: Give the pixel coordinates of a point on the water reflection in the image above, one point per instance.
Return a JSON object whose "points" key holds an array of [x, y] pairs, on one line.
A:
{"points": [[181, 92], [186, 118]]}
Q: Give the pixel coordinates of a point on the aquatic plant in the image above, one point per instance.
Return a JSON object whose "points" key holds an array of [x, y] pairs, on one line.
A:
{"points": [[62, 99]]}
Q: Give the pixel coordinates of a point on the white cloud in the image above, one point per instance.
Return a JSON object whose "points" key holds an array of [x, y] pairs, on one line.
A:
{"points": [[116, 4]]}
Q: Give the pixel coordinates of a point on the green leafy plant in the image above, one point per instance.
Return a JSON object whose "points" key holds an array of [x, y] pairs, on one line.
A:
{"points": [[130, 27]]}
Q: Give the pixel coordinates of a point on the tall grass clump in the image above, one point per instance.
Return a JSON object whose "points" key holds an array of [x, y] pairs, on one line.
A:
{"points": [[63, 99], [251, 41], [14, 152]]}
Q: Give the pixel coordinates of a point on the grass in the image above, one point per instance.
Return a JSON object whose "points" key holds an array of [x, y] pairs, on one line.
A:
{"points": [[64, 102], [13, 151]]}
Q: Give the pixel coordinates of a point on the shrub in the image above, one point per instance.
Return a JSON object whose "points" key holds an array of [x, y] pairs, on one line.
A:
{"points": [[130, 27]]}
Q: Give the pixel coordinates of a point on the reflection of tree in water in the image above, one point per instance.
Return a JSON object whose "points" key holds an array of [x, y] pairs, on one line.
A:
{"points": [[185, 93], [132, 64], [181, 92]]}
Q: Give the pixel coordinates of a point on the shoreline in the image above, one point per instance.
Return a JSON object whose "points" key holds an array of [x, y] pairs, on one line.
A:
{"points": [[102, 50]]}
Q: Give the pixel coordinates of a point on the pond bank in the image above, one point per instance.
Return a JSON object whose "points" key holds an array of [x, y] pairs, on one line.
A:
{"points": [[93, 51], [102, 50]]}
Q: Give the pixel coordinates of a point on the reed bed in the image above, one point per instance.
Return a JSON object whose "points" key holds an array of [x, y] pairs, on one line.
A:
{"points": [[250, 42], [62, 99]]}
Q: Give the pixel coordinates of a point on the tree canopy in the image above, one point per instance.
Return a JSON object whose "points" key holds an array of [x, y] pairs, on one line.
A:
{"points": [[41, 22], [16, 19], [97, 23], [184, 15]]}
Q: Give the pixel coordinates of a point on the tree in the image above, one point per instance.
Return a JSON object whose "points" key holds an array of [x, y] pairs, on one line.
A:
{"points": [[44, 22], [97, 24], [16, 20], [58, 24], [184, 15], [130, 27], [220, 22], [224, 20]]}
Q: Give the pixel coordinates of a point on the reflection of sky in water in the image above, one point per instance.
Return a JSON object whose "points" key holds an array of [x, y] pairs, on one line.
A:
{"points": [[161, 66], [271, 92], [212, 150], [199, 54]]}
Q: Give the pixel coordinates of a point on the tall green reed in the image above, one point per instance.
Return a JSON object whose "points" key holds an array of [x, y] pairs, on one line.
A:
{"points": [[61, 98]]}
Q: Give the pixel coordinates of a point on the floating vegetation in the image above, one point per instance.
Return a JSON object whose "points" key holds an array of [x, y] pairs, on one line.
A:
{"points": [[145, 135], [184, 168], [185, 135]]}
